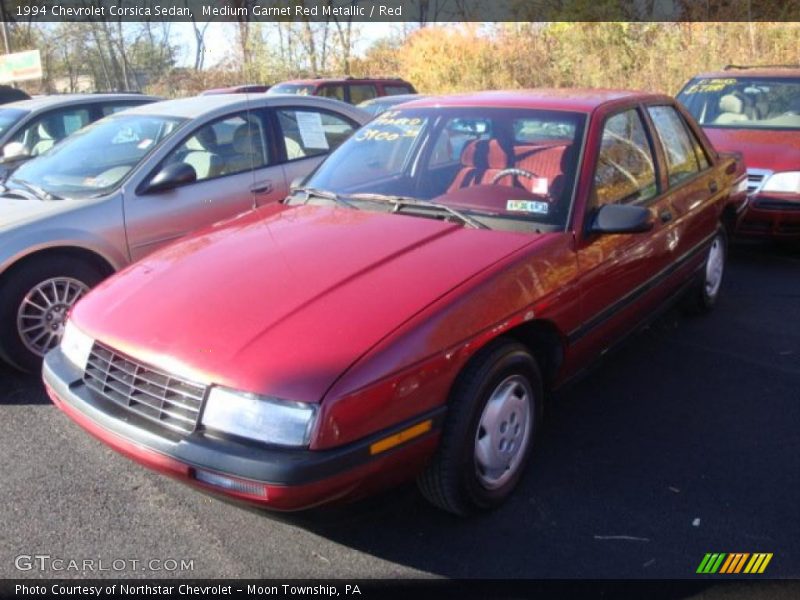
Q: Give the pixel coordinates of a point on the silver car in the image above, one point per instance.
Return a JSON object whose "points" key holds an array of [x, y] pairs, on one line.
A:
{"points": [[29, 128], [133, 182]]}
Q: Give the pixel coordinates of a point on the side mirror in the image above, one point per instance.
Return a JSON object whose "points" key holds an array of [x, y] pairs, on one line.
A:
{"points": [[170, 177], [15, 150], [621, 218], [296, 183]]}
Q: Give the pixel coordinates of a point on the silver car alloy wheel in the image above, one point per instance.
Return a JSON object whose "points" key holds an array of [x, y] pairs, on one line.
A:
{"points": [[504, 432], [43, 312], [715, 266]]}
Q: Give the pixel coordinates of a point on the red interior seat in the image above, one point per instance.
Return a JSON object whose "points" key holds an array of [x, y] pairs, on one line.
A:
{"points": [[481, 160]]}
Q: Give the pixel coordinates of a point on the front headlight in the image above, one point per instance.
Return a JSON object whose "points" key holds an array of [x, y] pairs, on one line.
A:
{"points": [[787, 182], [76, 345], [259, 418]]}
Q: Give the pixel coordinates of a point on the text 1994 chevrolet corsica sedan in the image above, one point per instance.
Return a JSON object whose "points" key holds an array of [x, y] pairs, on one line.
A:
{"points": [[405, 311]]}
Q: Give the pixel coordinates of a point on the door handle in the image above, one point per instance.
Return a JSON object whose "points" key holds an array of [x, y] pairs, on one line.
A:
{"points": [[713, 187], [265, 187], [665, 216]]}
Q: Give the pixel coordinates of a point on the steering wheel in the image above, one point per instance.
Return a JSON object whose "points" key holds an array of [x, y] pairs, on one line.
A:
{"points": [[514, 171]]}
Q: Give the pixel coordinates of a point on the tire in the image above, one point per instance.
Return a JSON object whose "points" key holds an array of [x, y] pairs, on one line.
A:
{"points": [[703, 296], [65, 280], [457, 480]]}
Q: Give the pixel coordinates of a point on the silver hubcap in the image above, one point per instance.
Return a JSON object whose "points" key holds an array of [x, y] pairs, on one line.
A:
{"points": [[503, 432], [715, 266], [43, 312]]}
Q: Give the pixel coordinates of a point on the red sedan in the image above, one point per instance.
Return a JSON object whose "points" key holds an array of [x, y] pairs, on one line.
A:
{"points": [[406, 310], [756, 111]]}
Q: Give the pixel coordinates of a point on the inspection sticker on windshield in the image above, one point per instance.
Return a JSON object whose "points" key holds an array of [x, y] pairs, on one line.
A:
{"points": [[528, 206]]}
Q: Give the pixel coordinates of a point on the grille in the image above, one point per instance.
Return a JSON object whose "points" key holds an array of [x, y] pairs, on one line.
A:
{"points": [[755, 179], [171, 402]]}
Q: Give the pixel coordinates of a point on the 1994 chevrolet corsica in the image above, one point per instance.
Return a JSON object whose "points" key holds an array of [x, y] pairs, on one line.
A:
{"points": [[404, 312]]}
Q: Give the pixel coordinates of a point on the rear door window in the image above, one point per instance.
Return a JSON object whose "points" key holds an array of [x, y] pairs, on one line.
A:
{"points": [[361, 91], [308, 132], [332, 91], [680, 151]]}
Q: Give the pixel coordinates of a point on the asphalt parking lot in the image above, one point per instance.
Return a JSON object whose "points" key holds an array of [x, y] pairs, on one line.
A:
{"points": [[684, 441]]}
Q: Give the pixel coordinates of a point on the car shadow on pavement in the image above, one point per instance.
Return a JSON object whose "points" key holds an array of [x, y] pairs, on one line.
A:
{"points": [[677, 445]]}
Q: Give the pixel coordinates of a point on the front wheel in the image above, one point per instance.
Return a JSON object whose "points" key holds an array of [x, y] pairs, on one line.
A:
{"points": [[703, 296], [34, 302], [493, 417]]}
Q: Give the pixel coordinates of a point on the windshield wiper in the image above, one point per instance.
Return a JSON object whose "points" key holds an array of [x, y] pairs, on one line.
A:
{"points": [[41, 193], [324, 194], [400, 201]]}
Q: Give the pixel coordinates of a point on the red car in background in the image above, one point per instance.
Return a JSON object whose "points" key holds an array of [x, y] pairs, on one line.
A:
{"points": [[347, 89], [756, 111], [405, 311]]}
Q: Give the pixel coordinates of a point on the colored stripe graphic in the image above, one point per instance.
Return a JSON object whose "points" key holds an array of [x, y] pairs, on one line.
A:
{"points": [[711, 563], [758, 563], [729, 564]]}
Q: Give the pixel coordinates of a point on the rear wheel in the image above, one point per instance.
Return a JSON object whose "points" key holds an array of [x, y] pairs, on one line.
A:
{"points": [[703, 296], [34, 301], [493, 417]]}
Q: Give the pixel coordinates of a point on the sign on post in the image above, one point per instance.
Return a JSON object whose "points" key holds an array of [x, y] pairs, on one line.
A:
{"points": [[20, 66]]}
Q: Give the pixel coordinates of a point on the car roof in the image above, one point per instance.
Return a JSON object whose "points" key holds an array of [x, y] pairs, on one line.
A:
{"points": [[56, 100], [312, 80], [198, 106], [580, 100], [766, 71]]}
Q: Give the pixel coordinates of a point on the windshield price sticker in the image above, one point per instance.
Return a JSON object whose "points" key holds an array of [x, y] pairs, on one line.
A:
{"points": [[380, 135], [311, 131], [710, 85], [528, 206]]}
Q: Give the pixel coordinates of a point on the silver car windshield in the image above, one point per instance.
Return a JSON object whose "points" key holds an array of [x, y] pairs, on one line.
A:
{"points": [[10, 117], [94, 160]]}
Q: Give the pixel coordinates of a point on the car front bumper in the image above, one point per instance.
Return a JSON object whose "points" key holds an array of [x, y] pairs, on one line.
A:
{"points": [[276, 478], [767, 216]]}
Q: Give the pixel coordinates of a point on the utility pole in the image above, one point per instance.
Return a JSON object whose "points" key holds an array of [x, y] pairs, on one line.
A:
{"points": [[4, 28]]}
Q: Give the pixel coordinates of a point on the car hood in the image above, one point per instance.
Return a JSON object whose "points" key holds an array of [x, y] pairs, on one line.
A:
{"points": [[762, 149], [15, 212], [282, 301]]}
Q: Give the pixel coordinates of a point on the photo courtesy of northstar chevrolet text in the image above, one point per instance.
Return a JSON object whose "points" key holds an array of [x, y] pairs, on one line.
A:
{"points": [[342, 298]]}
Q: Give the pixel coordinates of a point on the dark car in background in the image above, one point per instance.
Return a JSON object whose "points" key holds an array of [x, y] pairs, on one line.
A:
{"points": [[346, 89], [29, 128], [756, 111], [12, 94]]}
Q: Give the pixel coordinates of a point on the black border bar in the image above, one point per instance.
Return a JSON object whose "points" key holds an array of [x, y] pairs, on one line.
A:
{"points": [[705, 587], [399, 11]]}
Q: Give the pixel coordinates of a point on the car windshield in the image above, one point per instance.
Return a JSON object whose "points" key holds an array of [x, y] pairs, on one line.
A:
{"points": [[95, 159], [501, 168], [292, 88], [9, 117], [744, 102]]}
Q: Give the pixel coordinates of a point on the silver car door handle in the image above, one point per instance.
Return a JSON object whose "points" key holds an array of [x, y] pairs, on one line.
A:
{"points": [[265, 187]]}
